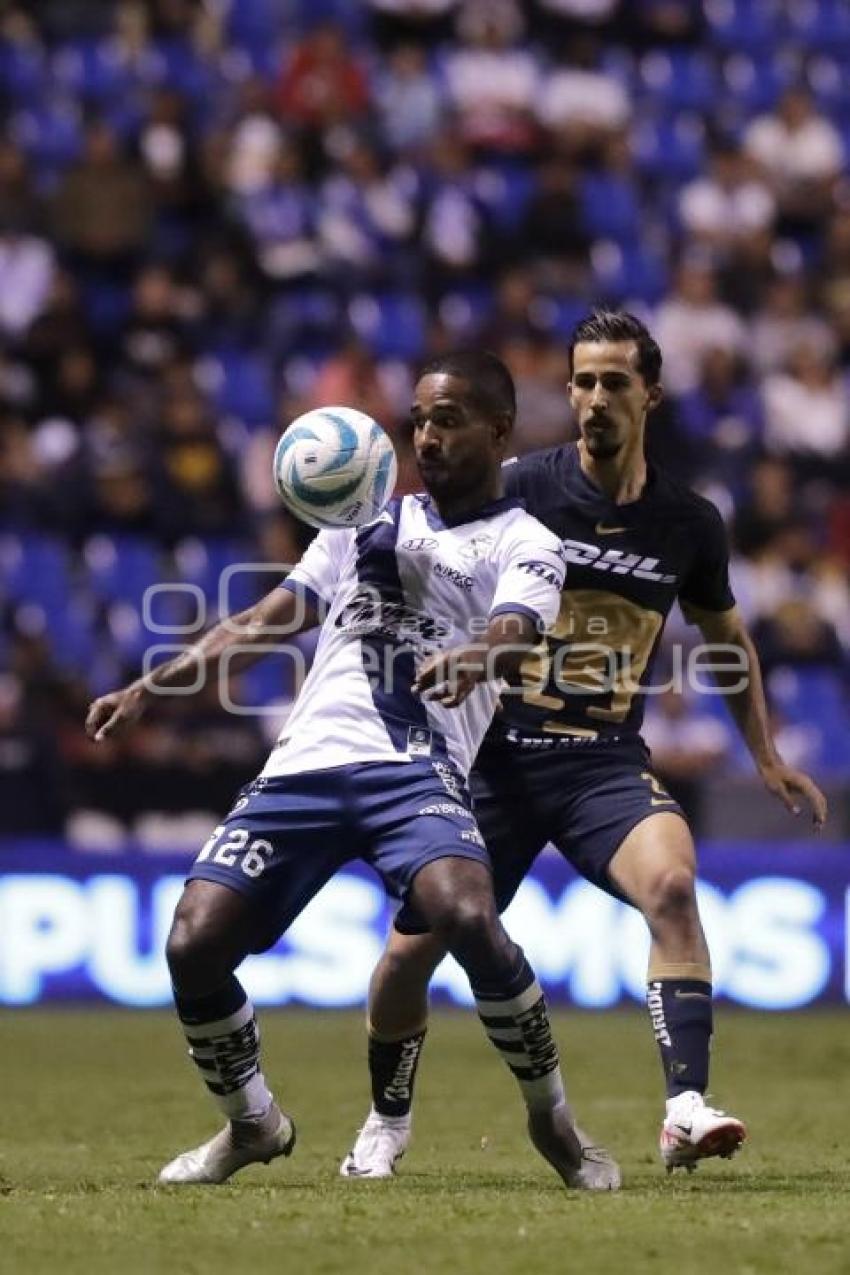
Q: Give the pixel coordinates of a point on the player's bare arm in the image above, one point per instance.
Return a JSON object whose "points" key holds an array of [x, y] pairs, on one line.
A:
{"points": [[748, 706], [243, 638], [450, 676]]}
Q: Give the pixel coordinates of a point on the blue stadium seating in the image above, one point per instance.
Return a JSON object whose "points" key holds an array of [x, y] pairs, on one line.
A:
{"points": [[391, 324]]}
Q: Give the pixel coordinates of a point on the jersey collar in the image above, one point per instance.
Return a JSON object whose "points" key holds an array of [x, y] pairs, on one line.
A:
{"points": [[490, 510]]}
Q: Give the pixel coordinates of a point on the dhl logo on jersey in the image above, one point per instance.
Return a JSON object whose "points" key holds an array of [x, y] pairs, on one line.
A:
{"points": [[615, 561]]}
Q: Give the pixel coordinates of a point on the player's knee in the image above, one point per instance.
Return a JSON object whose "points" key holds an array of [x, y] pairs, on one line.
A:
{"points": [[468, 926], [192, 950], [673, 896]]}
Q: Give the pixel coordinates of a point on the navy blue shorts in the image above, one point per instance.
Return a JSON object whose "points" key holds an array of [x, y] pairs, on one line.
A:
{"points": [[286, 837], [584, 799]]}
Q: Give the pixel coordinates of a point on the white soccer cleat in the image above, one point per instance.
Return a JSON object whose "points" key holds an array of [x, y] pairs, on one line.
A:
{"points": [[239, 1143], [380, 1145], [692, 1131], [599, 1171]]}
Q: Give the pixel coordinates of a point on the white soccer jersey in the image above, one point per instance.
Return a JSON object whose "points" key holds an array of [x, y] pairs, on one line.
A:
{"points": [[400, 589]]}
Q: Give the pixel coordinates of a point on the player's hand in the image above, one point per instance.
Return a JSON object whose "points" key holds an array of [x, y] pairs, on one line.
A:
{"points": [[450, 676], [790, 786], [112, 712]]}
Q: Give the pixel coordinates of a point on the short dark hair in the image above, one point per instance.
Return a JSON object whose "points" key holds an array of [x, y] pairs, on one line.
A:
{"points": [[619, 325], [490, 385]]}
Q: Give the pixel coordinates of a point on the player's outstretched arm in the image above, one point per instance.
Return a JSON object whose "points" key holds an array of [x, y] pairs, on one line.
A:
{"points": [[744, 689], [243, 639], [450, 676]]}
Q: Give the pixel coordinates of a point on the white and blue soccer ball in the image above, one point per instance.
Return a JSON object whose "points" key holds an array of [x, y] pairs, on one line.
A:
{"points": [[335, 467]]}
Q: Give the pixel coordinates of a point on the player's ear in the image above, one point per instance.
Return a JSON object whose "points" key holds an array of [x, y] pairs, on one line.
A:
{"points": [[502, 426], [654, 395]]}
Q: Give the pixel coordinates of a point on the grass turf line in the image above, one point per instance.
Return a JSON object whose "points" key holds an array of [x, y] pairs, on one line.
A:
{"points": [[95, 1102]]}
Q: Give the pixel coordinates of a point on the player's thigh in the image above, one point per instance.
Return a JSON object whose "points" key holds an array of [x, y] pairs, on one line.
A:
{"points": [[603, 797], [506, 800], [414, 815], [281, 842], [656, 860]]}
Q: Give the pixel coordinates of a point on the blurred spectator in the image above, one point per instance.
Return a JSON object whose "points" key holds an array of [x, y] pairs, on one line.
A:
{"points": [[367, 218], [412, 21], [687, 744], [582, 104], [454, 232], [102, 210], [728, 203], [200, 493], [353, 377], [807, 413], [32, 792], [155, 333], [26, 276], [492, 82], [723, 418], [280, 213], [552, 231], [541, 373], [784, 321], [19, 206], [801, 153], [691, 321], [408, 99], [796, 636], [769, 508], [322, 84], [834, 280]]}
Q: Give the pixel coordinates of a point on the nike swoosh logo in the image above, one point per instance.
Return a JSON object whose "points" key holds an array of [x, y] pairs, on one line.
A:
{"points": [[602, 530], [686, 1128], [691, 996]]}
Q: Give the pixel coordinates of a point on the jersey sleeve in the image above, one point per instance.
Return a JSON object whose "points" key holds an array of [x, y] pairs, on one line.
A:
{"points": [[531, 573], [317, 575], [707, 583]]}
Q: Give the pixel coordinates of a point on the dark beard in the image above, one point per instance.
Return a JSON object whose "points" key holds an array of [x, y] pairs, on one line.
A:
{"points": [[602, 448]]}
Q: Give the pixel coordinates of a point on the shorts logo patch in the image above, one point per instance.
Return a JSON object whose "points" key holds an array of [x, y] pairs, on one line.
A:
{"points": [[418, 741]]}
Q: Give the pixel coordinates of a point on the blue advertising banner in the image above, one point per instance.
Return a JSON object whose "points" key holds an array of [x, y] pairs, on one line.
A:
{"points": [[75, 926]]}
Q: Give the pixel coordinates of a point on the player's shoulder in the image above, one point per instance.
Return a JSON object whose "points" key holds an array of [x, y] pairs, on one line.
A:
{"points": [[682, 502], [538, 472]]}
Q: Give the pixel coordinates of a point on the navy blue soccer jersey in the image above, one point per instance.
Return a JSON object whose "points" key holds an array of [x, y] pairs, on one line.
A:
{"points": [[627, 565]]}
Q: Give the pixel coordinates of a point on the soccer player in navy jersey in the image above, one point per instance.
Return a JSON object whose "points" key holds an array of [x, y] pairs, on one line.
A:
{"points": [[564, 762], [373, 761]]}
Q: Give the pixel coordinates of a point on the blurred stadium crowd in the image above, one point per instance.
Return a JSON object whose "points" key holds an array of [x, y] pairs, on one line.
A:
{"points": [[216, 215]]}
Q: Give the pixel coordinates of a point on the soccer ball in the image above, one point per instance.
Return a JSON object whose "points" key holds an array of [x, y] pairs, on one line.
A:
{"points": [[335, 467]]}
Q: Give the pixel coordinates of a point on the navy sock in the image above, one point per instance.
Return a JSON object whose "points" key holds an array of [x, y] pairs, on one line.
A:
{"points": [[513, 1012], [392, 1069], [681, 1013], [224, 1044]]}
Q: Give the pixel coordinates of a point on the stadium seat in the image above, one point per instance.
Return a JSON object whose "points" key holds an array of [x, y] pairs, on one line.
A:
{"points": [[746, 25], [610, 207], [751, 85], [819, 24], [677, 80], [91, 70], [624, 273], [23, 73], [241, 386], [35, 569], [673, 147], [392, 324], [121, 568]]}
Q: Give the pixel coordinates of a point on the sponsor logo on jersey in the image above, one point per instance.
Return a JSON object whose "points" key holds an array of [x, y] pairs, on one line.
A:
{"points": [[602, 530], [477, 548], [543, 571], [420, 544], [450, 779], [446, 808], [418, 741], [615, 561], [453, 576], [369, 614], [473, 835]]}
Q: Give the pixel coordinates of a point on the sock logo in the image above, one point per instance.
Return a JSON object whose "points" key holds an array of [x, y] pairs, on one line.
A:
{"points": [[398, 1090], [537, 1039], [655, 1005]]}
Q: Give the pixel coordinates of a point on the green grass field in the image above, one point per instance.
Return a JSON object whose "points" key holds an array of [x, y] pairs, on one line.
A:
{"points": [[94, 1103]]}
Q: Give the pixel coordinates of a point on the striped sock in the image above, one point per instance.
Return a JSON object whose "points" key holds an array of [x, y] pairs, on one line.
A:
{"points": [[515, 1018], [224, 1043]]}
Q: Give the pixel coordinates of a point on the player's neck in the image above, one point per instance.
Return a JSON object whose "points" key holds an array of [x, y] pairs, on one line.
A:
{"points": [[456, 508], [622, 477]]}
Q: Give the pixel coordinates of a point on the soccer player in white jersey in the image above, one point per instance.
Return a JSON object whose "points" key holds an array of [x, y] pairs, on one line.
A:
{"points": [[425, 608]]}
